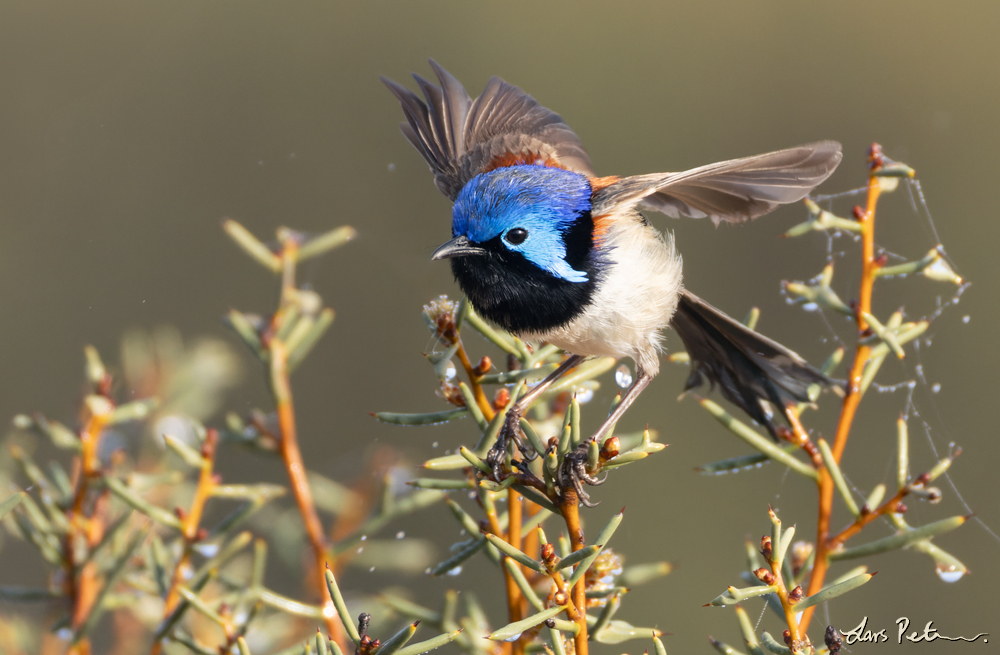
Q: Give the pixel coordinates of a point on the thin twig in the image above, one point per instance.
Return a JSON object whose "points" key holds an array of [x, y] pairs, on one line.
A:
{"points": [[83, 582], [190, 528], [570, 507], [292, 456], [870, 266]]}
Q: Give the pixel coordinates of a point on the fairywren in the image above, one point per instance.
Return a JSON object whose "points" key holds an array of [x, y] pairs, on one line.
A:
{"points": [[546, 249]]}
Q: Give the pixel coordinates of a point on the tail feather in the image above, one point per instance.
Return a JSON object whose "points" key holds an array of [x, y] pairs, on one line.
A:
{"points": [[749, 369]]}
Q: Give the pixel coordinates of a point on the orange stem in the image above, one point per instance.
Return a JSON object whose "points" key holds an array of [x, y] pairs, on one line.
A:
{"points": [[190, 526], [870, 266], [513, 591], [83, 583], [571, 514], [477, 389], [282, 390]]}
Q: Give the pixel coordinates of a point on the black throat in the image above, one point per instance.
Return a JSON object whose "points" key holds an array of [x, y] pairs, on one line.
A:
{"points": [[520, 297]]}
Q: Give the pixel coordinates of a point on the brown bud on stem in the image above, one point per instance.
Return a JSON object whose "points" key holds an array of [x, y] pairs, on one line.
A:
{"points": [[765, 547], [834, 640], [501, 399], [610, 449], [483, 367], [764, 576]]}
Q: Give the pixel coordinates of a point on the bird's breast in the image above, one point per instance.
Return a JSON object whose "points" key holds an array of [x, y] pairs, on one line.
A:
{"points": [[634, 301]]}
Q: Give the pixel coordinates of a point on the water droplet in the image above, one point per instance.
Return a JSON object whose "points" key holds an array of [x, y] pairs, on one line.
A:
{"points": [[434, 445], [329, 610], [391, 167], [400, 535], [207, 550], [513, 637], [65, 634], [371, 570], [950, 573], [472, 495], [584, 396], [449, 371], [364, 537], [623, 376], [965, 319], [360, 550], [455, 571], [810, 307], [936, 387]]}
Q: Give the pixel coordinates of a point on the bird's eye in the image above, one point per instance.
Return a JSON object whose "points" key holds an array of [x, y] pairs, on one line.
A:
{"points": [[516, 236]]}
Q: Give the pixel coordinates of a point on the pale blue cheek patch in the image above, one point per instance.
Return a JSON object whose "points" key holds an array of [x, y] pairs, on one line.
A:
{"points": [[546, 250]]}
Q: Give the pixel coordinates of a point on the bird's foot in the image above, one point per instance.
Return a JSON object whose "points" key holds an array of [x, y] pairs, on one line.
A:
{"points": [[496, 458], [573, 472]]}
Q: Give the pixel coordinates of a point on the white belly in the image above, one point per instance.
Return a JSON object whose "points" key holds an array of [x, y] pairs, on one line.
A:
{"points": [[635, 301]]}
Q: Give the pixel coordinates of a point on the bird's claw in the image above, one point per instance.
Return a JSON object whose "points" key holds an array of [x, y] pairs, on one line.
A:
{"points": [[496, 458], [573, 472]]}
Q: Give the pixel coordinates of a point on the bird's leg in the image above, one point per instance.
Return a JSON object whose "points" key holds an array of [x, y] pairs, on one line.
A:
{"points": [[574, 467], [512, 422], [641, 382]]}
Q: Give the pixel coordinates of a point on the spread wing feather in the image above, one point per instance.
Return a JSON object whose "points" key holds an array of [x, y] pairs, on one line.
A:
{"points": [[747, 366], [734, 191], [460, 137]]}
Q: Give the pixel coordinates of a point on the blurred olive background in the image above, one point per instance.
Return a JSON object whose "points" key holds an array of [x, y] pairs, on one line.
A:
{"points": [[129, 130]]}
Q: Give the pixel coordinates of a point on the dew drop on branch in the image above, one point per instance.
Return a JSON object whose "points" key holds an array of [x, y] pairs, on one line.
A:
{"points": [[400, 535], [623, 376], [949, 573]]}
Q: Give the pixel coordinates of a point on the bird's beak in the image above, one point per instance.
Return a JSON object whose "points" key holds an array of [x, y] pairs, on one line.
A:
{"points": [[457, 247]]}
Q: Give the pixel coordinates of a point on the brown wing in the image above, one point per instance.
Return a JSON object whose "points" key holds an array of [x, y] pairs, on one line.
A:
{"points": [[734, 191], [460, 137], [747, 366]]}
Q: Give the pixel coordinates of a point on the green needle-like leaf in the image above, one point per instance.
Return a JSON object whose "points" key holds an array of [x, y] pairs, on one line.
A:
{"points": [[523, 585], [578, 556], [11, 502], [772, 645], [398, 640], [757, 440], [833, 591], [603, 537], [338, 602], [455, 560], [618, 632], [733, 595], [252, 245], [514, 553], [326, 242], [638, 574], [430, 418], [513, 630], [429, 645], [900, 540]]}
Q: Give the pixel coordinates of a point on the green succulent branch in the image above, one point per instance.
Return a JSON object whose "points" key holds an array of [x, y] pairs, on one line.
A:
{"points": [[122, 532]]}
